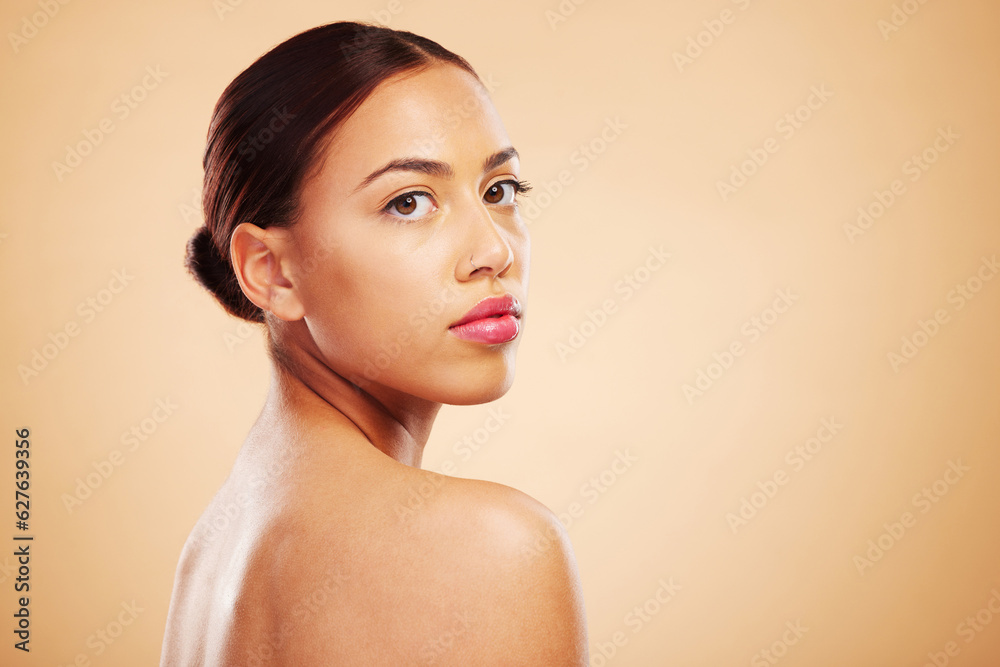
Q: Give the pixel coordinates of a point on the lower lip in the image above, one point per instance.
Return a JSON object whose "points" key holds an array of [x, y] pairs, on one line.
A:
{"points": [[490, 330]]}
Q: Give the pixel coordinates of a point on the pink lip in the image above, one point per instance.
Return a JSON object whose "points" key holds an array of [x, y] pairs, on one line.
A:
{"points": [[493, 320], [492, 306]]}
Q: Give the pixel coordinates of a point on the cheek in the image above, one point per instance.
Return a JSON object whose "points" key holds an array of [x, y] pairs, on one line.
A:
{"points": [[368, 313], [334, 266]]}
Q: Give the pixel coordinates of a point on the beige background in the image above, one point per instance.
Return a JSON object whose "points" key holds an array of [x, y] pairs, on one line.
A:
{"points": [[128, 206]]}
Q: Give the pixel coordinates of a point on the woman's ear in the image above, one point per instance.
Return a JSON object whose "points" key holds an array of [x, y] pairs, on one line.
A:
{"points": [[261, 261]]}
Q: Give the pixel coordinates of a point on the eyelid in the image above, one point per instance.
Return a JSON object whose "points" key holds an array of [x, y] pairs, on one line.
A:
{"points": [[413, 190], [500, 179]]}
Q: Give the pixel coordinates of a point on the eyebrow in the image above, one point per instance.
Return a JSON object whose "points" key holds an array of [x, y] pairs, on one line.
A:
{"points": [[434, 167]]}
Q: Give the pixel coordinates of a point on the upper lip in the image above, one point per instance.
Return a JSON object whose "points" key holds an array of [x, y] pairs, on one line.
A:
{"points": [[492, 306]]}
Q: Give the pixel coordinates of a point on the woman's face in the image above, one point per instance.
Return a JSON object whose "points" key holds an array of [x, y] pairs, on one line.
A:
{"points": [[417, 184]]}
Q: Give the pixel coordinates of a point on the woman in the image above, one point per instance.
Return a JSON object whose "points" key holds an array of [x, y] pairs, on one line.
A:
{"points": [[360, 200]]}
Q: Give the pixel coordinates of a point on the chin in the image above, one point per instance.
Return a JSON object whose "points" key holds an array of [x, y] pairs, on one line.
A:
{"points": [[471, 387]]}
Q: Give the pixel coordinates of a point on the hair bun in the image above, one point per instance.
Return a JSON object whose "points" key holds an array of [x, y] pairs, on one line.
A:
{"points": [[213, 272], [204, 261]]}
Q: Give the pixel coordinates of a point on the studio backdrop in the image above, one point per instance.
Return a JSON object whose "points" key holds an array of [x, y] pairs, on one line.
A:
{"points": [[760, 382]]}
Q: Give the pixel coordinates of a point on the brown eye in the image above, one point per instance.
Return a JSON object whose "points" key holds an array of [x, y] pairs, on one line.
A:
{"points": [[503, 192], [410, 205], [406, 205], [495, 194]]}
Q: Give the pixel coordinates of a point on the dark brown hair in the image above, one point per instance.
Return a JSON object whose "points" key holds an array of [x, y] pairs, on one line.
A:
{"points": [[268, 129]]}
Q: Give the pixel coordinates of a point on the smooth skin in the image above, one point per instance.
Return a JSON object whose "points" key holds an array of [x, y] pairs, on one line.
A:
{"points": [[327, 544]]}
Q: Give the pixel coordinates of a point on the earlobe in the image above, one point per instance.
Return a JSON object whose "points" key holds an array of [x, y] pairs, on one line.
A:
{"points": [[257, 256]]}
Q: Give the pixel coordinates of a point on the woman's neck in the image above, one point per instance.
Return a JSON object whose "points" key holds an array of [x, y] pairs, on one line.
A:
{"points": [[306, 397]]}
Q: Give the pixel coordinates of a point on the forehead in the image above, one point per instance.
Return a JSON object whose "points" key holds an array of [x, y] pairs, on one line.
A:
{"points": [[441, 112]]}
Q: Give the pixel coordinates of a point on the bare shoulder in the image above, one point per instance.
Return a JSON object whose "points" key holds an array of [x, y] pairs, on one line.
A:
{"points": [[532, 577], [521, 533], [513, 568], [446, 571]]}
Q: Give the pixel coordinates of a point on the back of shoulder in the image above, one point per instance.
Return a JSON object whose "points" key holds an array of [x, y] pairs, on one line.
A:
{"points": [[520, 532], [513, 569], [431, 570]]}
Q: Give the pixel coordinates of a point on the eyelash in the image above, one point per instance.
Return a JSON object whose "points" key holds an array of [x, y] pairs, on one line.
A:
{"points": [[520, 188]]}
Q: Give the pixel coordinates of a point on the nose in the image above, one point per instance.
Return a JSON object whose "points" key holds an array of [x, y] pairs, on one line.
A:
{"points": [[487, 249]]}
